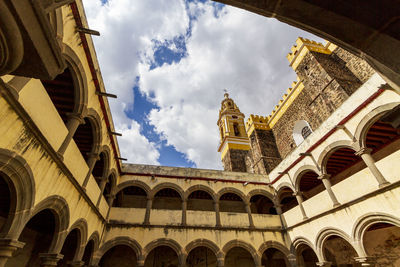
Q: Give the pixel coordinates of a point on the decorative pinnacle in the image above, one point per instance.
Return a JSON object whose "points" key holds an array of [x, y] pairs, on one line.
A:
{"points": [[226, 95]]}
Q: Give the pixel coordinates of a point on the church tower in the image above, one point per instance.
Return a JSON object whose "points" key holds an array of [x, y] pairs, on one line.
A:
{"points": [[235, 144]]}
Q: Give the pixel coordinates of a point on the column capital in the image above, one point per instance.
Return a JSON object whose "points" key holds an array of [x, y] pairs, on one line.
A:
{"points": [[8, 246], [76, 263], [324, 263], [297, 193], [366, 261], [76, 116], [49, 259], [93, 155], [362, 151], [324, 176]]}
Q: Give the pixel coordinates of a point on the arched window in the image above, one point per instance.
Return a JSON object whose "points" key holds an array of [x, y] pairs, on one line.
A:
{"points": [[236, 129], [301, 131]]}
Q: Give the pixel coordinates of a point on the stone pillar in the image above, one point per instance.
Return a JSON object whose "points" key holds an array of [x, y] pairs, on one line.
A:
{"points": [[76, 263], [220, 261], [299, 199], [325, 180], [366, 261], [324, 263], [102, 186], [110, 199], [140, 263], [149, 205], [248, 210], [217, 217], [365, 154], [184, 207], [278, 208], [292, 260], [93, 157], [74, 120], [49, 259], [7, 248]]}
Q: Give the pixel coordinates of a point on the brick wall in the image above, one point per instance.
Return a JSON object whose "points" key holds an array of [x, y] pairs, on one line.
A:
{"points": [[235, 161]]}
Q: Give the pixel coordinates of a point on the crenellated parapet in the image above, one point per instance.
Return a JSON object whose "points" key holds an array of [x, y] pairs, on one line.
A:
{"points": [[303, 46]]}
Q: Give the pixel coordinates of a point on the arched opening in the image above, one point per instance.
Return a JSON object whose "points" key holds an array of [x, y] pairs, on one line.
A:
{"points": [[162, 256], [260, 204], [70, 248], [339, 252], [108, 186], [201, 257], [63, 93], [287, 199], [88, 253], [310, 185], [200, 200], [383, 136], [306, 256], [99, 168], [273, 257], [382, 241], [37, 235], [120, 255], [131, 197], [167, 199], [231, 202], [84, 138], [5, 201], [343, 163], [237, 257]]}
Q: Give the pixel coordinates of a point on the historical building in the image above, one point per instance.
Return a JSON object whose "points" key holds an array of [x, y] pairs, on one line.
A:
{"points": [[315, 183]]}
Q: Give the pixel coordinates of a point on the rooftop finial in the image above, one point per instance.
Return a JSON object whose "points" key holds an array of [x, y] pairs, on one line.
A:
{"points": [[226, 95]]}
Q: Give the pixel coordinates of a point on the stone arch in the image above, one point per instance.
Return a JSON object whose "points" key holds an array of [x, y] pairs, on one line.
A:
{"points": [[298, 241], [262, 192], [137, 183], [161, 186], [299, 245], [95, 238], [201, 188], [249, 248], [82, 226], [21, 183], [95, 121], [330, 149], [232, 190], [364, 222], [202, 243], [56, 22], [59, 207], [107, 159], [369, 119], [165, 242], [324, 234], [298, 174], [273, 244], [120, 240], [282, 186], [79, 77], [113, 180]]}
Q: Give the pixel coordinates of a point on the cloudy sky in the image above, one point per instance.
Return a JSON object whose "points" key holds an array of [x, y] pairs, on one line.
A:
{"points": [[169, 61]]}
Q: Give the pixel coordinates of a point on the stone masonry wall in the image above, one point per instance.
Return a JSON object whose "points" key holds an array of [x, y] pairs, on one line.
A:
{"points": [[235, 161], [328, 82], [264, 152]]}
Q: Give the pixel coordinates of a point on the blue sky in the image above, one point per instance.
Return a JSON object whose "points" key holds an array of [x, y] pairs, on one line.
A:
{"points": [[169, 61]]}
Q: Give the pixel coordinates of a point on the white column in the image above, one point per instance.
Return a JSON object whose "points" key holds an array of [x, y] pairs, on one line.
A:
{"points": [[365, 154], [328, 187]]}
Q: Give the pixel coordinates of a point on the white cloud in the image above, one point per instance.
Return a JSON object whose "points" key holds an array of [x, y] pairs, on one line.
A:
{"points": [[127, 29], [237, 50], [135, 146]]}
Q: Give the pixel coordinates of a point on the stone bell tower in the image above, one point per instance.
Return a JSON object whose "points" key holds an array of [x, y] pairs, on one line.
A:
{"points": [[234, 144]]}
